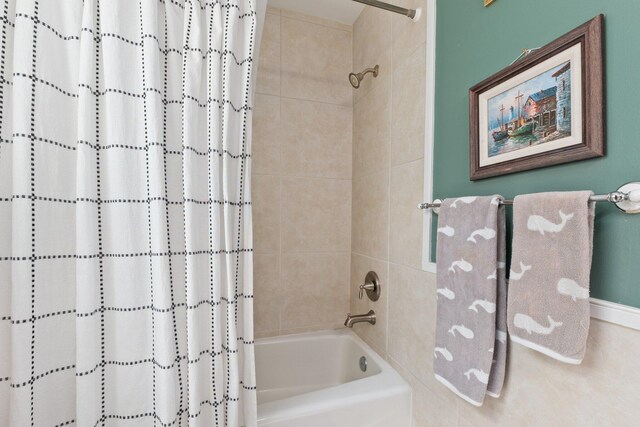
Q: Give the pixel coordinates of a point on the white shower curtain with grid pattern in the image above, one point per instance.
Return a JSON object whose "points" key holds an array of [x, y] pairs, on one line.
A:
{"points": [[125, 218]]}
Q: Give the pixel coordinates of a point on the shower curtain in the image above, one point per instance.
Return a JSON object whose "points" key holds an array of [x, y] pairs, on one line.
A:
{"points": [[125, 213]]}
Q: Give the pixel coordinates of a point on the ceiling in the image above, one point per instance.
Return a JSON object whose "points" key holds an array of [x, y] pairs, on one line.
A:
{"points": [[343, 11]]}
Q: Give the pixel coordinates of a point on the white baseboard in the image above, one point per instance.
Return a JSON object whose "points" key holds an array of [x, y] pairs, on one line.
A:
{"points": [[429, 266], [618, 314]]}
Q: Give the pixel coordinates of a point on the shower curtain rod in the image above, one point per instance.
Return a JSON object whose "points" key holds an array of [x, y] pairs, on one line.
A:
{"points": [[410, 13]]}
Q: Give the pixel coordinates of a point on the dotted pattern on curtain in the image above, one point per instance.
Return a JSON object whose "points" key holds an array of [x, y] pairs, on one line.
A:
{"points": [[126, 294]]}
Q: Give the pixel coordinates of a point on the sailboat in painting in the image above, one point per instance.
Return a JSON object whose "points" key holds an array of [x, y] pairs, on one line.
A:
{"points": [[519, 127], [502, 132]]}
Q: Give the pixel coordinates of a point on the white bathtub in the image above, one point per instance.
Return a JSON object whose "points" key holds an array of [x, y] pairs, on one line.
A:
{"points": [[315, 380]]}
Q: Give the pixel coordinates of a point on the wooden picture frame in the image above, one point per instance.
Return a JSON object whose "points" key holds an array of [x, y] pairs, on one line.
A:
{"points": [[553, 124]]}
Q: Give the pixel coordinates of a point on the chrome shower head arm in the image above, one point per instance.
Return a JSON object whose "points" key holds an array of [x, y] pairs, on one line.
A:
{"points": [[373, 70], [355, 79]]}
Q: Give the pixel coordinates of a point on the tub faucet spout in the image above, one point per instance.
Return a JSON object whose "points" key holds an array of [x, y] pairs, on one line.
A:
{"points": [[370, 317]]}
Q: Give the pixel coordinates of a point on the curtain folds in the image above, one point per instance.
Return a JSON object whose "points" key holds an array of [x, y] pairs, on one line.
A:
{"points": [[126, 294]]}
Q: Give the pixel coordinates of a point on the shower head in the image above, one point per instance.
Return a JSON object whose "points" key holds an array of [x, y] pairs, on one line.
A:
{"points": [[355, 79]]}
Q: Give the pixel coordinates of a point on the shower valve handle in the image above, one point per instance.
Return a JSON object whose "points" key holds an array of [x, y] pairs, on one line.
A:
{"points": [[371, 285], [365, 287]]}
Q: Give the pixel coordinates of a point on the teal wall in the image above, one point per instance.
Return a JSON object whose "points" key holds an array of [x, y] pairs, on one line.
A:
{"points": [[473, 42]]}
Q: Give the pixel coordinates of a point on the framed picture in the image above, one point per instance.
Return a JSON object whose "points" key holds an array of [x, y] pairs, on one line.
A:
{"points": [[543, 110]]}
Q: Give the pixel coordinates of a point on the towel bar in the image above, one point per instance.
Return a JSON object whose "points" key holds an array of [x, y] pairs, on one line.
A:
{"points": [[626, 198]]}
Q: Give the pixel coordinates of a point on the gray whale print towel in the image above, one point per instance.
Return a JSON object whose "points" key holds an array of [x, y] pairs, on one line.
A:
{"points": [[471, 341], [548, 307]]}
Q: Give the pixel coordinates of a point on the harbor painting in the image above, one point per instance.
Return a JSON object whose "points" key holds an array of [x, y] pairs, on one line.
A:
{"points": [[534, 112], [545, 108]]}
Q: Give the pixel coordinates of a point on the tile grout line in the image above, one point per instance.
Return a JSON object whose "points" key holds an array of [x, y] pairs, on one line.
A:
{"points": [[353, 158], [280, 178], [418, 269], [325, 252], [335, 104], [389, 165], [280, 58], [305, 21], [300, 176]]}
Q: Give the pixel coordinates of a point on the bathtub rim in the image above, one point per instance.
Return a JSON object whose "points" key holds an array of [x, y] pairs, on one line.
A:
{"points": [[381, 386]]}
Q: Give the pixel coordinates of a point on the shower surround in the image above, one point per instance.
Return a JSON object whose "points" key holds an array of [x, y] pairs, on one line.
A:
{"points": [[302, 175], [386, 236]]}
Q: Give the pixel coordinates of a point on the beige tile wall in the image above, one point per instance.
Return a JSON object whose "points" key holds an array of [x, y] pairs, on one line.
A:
{"points": [[388, 141], [302, 175]]}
